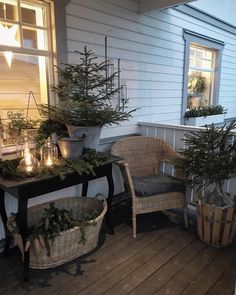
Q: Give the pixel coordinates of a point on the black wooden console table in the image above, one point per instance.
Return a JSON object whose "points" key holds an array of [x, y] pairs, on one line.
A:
{"points": [[30, 188]]}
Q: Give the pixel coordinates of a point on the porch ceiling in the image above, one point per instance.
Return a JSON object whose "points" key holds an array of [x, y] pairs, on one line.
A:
{"points": [[148, 5]]}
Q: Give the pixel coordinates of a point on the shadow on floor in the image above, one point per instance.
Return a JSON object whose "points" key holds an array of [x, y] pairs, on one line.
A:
{"points": [[11, 267]]}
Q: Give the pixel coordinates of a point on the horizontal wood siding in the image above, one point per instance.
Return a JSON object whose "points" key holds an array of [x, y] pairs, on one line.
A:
{"points": [[224, 10], [151, 49]]}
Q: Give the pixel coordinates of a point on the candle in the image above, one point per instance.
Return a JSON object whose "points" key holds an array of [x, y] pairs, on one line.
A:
{"points": [[49, 161], [28, 159], [28, 164], [48, 153]]}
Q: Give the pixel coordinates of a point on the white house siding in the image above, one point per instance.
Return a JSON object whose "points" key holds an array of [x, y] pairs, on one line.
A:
{"points": [[151, 49], [223, 9]]}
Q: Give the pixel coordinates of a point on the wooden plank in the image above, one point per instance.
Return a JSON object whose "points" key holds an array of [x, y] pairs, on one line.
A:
{"points": [[108, 263], [227, 226], [10, 267], [207, 278], [164, 274], [103, 262], [226, 285], [217, 225], [181, 280], [149, 267], [206, 221], [212, 270], [120, 240], [163, 239], [233, 229]]}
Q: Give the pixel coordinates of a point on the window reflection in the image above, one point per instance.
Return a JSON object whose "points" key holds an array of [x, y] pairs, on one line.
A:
{"points": [[200, 76]]}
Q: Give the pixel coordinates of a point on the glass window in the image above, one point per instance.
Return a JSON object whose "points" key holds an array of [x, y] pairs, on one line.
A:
{"points": [[8, 10], [200, 76], [25, 58]]}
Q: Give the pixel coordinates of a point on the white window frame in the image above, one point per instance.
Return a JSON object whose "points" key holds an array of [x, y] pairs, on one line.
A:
{"points": [[55, 15], [49, 52], [208, 42]]}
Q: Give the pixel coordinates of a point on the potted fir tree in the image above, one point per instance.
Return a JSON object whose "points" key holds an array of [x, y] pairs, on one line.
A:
{"points": [[209, 159], [86, 93]]}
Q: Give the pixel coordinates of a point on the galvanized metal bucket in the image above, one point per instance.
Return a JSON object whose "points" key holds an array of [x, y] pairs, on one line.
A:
{"points": [[71, 147]]}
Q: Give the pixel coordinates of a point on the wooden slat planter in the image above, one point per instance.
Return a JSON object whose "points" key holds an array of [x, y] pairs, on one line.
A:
{"points": [[216, 225]]}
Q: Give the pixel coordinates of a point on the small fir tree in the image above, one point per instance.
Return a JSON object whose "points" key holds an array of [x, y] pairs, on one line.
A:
{"points": [[209, 159], [86, 92]]}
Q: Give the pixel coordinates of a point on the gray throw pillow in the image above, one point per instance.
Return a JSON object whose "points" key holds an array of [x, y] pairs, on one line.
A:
{"points": [[159, 183]]}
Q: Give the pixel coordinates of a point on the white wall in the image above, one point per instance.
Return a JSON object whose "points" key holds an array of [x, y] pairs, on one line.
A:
{"points": [[151, 48], [223, 9]]}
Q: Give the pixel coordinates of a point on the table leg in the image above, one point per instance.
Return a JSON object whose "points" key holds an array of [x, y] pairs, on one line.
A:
{"points": [[84, 189], [109, 199], [22, 221], [4, 220]]}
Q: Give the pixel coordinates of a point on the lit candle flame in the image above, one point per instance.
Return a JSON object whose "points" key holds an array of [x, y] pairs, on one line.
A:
{"points": [[28, 159], [49, 161]]}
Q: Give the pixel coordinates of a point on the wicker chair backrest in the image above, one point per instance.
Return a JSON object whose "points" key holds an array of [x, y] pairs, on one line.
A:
{"points": [[143, 154]]}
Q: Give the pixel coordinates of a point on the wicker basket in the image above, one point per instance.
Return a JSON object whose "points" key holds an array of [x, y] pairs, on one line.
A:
{"points": [[67, 245]]}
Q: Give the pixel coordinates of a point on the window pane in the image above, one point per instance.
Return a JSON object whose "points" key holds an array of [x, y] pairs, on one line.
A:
{"points": [[192, 52], [34, 38], [199, 89], [208, 64], [200, 53], [28, 16], [9, 35], [15, 88], [192, 62], [199, 63], [34, 15], [8, 10], [210, 54]]}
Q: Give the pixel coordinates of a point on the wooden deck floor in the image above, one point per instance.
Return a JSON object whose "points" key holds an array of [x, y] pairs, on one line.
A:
{"points": [[168, 260]]}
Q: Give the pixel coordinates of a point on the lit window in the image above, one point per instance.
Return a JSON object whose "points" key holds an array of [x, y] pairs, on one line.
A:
{"points": [[200, 76], [25, 56], [202, 67]]}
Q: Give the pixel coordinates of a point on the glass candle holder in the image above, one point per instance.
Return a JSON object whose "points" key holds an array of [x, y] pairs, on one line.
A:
{"points": [[48, 153], [25, 142], [26, 147]]}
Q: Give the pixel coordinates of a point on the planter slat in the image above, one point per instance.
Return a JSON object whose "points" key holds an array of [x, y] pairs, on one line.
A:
{"points": [[217, 225], [228, 225], [207, 225], [199, 221], [233, 230]]}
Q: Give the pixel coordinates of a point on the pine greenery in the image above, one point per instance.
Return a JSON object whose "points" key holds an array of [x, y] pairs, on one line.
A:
{"points": [[85, 93], [88, 161], [209, 159], [204, 111]]}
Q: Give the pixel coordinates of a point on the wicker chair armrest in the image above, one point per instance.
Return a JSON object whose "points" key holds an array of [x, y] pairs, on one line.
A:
{"points": [[124, 168], [121, 164], [179, 174]]}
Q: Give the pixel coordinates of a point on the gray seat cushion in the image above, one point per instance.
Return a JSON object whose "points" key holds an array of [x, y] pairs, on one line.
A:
{"points": [[145, 186]]}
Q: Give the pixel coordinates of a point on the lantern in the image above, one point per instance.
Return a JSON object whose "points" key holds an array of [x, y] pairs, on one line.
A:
{"points": [[48, 153], [26, 146]]}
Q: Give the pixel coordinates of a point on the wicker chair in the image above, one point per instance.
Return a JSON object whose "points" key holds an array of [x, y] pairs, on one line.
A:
{"points": [[143, 157]]}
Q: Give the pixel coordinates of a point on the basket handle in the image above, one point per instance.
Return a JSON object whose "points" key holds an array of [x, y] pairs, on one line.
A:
{"points": [[100, 196]]}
